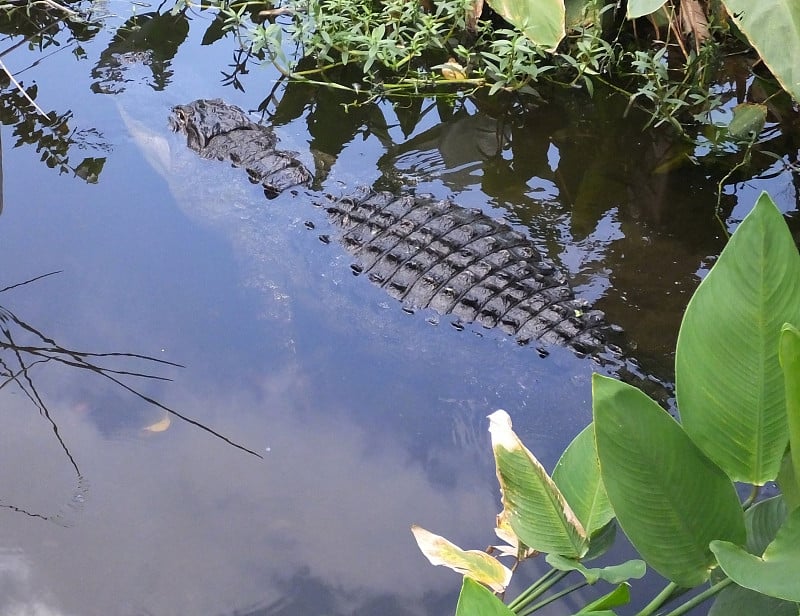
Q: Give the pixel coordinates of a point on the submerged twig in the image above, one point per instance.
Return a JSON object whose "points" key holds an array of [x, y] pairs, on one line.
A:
{"points": [[24, 357]]}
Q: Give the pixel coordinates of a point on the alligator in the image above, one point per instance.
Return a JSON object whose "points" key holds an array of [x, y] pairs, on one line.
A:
{"points": [[424, 252]]}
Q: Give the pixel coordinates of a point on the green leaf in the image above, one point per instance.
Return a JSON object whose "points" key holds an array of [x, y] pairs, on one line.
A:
{"points": [[748, 120], [773, 29], [729, 384], [640, 8], [478, 565], [613, 574], [533, 506], [670, 500], [601, 541], [621, 595], [737, 601], [476, 599], [762, 521], [577, 475], [790, 363], [542, 21], [788, 483], [776, 573]]}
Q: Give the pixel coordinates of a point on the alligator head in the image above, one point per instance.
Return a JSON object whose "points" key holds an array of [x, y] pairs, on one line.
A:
{"points": [[219, 131], [204, 119]]}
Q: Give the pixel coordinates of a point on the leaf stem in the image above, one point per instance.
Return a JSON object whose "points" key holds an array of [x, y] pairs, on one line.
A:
{"points": [[552, 598], [659, 600], [537, 589], [698, 599]]}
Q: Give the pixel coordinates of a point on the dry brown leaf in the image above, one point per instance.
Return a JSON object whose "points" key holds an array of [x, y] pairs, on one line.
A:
{"points": [[473, 14], [694, 22]]}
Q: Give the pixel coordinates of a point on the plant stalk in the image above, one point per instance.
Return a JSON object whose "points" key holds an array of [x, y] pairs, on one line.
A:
{"points": [[537, 589], [551, 598], [698, 599], [659, 600]]}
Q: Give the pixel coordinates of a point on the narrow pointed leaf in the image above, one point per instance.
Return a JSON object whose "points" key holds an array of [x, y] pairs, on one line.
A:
{"points": [[613, 574], [621, 595], [790, 363], [640, 8], [542, 21], [475, 564], [729, 384], [577, 475], [670, 500], [533, 506], [776, 573], [476, 599], [773, 29]]}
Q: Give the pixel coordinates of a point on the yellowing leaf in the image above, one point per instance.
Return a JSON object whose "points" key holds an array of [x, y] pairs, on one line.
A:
{"points": [[473, 563], [453, 70], [533, 506]]}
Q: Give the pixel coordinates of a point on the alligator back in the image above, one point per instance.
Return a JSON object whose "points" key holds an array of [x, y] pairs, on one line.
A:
{"points": [[427, 253]]}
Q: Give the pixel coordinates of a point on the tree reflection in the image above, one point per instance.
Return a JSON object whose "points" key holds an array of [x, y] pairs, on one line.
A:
{"points": [[24, 349]]}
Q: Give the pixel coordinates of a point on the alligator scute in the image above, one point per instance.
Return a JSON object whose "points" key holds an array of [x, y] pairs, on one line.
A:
{"points": [[424, 252]]}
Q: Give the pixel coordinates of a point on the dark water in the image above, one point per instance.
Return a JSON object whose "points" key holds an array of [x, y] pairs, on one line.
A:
{"points": [[368, 419]]}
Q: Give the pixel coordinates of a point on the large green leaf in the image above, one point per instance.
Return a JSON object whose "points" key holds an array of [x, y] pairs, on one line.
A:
{"points": [[729, 383], [577, 475], [533, 506], [776, 573], [762, 521], [670, 499], [542, 21], [790, 363], [737, 601], [478, 565], [773, 29], [640, 8], [476, 599]]}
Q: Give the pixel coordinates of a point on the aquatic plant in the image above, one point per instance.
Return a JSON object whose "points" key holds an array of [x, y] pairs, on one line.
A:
{"points": [[671, 486], [663, 55]]}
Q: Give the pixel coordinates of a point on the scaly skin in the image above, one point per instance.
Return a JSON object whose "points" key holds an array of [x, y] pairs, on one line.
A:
{"points": [[423, 252]]}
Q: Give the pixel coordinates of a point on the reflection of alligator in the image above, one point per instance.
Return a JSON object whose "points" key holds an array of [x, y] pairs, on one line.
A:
{"points": [[426, 253]]}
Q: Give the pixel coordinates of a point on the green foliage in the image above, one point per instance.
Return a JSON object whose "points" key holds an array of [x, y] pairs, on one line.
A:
{"points": [[669, 484], [406, 47], [733, 405], [673, 500]]}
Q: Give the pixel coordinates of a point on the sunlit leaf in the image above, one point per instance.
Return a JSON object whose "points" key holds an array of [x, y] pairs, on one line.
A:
{"points": [[773, 29], [748, 120], [729, 383], [640, 8], [577, 475], [670, 499], [542, 21], [533, 506], [789, 355], [477, 565], [776, 572], [476, 600], [613, 574]]}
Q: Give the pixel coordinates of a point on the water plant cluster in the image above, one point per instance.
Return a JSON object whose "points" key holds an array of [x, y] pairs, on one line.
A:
{"points": [[666, 56], [673, 487]]}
